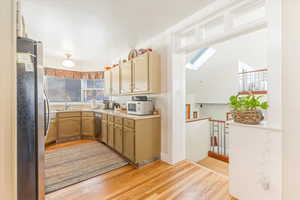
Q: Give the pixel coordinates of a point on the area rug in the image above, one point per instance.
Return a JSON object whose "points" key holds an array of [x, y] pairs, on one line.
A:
{"points": [[73, 164]]}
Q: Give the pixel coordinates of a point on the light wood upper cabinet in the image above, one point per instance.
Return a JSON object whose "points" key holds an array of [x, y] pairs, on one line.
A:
{"points": [[107, 83], [115, 81], [126, 78], [140, 73]]}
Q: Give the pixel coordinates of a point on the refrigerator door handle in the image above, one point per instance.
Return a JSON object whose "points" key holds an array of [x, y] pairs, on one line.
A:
{"points": [[47, 110], [48, 114]]}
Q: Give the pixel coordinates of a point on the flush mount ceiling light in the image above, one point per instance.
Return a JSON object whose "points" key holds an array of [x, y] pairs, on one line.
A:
{"points": [[68, 62]]}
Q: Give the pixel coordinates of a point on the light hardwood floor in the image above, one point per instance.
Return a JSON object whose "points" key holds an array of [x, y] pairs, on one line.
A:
{"points": [[215, 165], [155, 181]]}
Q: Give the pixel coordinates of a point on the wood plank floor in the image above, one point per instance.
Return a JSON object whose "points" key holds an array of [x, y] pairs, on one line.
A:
{"points": [[215, 165], [156, 181], [67, 144]]}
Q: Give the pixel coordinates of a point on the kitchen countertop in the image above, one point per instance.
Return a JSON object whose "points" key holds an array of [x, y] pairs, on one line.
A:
{"points": [[111, 112]]}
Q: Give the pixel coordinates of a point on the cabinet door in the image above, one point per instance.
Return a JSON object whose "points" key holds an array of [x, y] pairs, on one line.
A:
{"points": [[129, 144], [104, 132], [88, 126], [126, 78], [118, 138], [141, 73], [115, 81], [52, 132], [107, 83], [69, 127], [111, 135]]}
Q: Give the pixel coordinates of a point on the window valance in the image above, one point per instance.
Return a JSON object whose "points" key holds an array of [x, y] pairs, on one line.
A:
{"points": [[74, 74]]}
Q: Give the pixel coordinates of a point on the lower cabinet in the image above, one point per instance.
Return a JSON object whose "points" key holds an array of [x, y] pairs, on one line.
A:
{"points": [[118, 136], [111, 134], [69, 127], [52, 132], [104, 132], [129, 144], [88, 126]]}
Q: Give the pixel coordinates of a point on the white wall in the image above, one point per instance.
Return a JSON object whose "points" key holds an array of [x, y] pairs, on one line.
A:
{"points": [[290, 97], [7, 101], [255, 162], [217, 79], [197, 140]]}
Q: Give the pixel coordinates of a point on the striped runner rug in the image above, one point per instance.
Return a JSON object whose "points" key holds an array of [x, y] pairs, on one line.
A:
{"points": [[73, 164]]}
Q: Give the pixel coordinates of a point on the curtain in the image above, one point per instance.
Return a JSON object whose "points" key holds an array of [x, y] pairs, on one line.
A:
{"points": [[74, 74]]}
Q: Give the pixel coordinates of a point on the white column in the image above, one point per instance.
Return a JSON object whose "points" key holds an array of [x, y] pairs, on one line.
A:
{"points": [[291, 98]]}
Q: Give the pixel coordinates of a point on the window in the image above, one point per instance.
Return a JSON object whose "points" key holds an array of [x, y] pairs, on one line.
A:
{"points": [[63, 89], [93, 89], [73, 90]]}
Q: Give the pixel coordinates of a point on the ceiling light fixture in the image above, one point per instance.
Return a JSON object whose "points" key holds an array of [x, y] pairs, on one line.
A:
{"points": [[68, 62]]}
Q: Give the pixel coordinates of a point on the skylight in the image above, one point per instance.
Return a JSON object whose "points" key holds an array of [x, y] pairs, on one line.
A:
{"points": [[200, 58]]}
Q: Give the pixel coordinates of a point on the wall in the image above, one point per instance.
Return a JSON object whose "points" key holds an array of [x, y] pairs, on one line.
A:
{"points": [[197, 140], [290, 98], [7, 101], [255, 161], [217, 79]]}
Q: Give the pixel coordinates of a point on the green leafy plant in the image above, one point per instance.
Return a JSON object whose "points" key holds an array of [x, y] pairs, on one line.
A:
{"points": [[249, 102]]}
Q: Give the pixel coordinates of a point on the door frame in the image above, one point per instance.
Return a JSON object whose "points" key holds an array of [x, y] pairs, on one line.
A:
{"points": [[177, 140]]}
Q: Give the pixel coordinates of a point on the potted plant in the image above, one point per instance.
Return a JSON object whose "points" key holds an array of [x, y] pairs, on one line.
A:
{"points": [[247, 109]]}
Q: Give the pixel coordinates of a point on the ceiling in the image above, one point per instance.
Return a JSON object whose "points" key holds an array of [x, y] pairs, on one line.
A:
{"points": [[97, 32]]}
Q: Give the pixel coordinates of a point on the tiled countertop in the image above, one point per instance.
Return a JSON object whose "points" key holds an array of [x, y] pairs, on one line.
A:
{"points": [[111, 112]]}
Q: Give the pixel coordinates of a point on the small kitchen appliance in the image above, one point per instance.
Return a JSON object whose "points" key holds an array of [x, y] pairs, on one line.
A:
{"points": [[140, 107]]}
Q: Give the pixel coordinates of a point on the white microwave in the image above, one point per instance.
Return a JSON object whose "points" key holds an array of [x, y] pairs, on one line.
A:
{"points": [[140, 107]]}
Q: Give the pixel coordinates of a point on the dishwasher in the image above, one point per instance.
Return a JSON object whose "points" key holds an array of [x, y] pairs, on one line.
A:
{"points": [[98, 118]]}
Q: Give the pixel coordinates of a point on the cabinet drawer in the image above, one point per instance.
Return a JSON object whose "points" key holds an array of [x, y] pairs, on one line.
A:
{"points": [[129, 123], [68, 114], [110, 118], [119, 120], [104, 117], [88, 114]]}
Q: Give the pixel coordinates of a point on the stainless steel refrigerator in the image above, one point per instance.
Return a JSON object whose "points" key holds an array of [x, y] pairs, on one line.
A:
{"points": [[32, 119]]}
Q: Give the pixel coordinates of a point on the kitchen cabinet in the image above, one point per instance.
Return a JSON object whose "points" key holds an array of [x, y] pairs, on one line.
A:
{"points": [[107, 83], [129, 144], [140, 73], [104, 132], [52, 132], [115, 81], [110, 135], [118, 137], [69, 126], [126, 78], [88, 124], [137, 140]]}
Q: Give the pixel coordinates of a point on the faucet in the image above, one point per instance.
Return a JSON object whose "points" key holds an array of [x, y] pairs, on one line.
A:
{"points": [[67, 105]]}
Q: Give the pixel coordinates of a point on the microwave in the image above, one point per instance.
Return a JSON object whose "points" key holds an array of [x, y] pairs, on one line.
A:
{"points": [[140, 107]]}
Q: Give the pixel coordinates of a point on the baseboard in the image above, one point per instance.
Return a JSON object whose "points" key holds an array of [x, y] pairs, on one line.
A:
{"points": [[218, 156], [165, 157]]}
